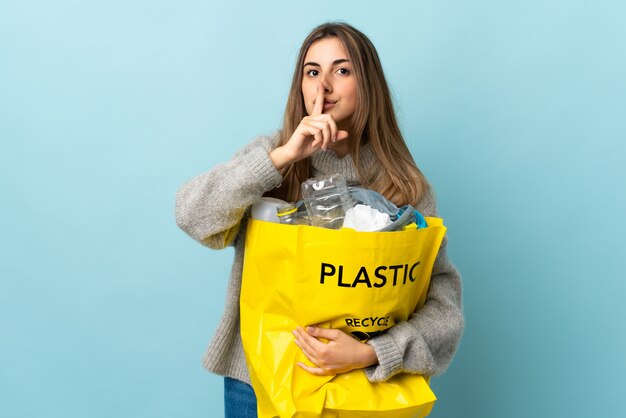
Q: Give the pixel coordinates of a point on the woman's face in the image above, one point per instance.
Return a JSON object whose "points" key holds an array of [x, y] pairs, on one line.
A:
{"points": [[327, 64]]}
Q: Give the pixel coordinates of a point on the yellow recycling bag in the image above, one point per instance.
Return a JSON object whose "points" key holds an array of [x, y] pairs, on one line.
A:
{"points": [[359, 282]]}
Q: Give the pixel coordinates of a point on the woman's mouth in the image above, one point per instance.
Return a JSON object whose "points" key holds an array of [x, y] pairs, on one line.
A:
{"points": [[329, 104]]}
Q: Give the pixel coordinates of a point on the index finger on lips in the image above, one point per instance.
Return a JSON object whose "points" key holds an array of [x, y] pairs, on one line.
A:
{"points": [[318, 107]]}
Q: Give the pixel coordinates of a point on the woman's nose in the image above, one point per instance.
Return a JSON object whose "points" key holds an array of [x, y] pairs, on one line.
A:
{"points": [[326, 84]]}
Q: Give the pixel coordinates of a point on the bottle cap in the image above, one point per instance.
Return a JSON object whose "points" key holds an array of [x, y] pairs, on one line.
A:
{"points": [[285, 210]]}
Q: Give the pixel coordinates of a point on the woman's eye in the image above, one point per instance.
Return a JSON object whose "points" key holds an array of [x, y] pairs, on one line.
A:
{"points": [[343, 71], [312, 73]]}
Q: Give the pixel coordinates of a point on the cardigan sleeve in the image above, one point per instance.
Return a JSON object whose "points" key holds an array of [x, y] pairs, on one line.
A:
{"points": [[209, 207], [427, 341]]}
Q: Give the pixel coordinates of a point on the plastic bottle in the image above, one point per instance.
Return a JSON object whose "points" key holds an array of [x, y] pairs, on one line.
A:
{"points": [[327, 200], [288, 214], [265, 209]]}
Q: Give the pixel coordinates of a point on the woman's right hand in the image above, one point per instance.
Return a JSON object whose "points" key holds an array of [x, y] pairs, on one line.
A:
{"points": [[314, 132]]}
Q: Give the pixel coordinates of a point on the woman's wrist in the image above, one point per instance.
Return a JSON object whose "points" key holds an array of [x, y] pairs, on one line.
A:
{"points": [[369, 356], [278, 157]]}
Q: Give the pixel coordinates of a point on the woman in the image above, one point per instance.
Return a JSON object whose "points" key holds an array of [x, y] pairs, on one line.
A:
{"points": [[339, 118]]}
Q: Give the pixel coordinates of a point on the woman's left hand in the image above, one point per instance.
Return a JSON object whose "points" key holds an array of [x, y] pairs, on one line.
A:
{"points": [[340, 354]]}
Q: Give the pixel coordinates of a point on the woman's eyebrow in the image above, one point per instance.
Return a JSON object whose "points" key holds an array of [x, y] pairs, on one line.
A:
{"points": [[335, 62]]}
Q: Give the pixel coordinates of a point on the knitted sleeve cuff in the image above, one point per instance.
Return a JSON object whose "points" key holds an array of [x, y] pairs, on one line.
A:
{"points": [[263, 170], [389, 358]]}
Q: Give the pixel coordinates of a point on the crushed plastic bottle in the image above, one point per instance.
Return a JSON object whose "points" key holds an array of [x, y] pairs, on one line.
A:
{"points": [[327, 200]]}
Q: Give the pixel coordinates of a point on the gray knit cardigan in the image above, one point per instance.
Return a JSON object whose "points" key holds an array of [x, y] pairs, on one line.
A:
{"points": [[213, 209]]}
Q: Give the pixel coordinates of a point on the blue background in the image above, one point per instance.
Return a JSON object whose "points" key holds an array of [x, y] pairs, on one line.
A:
{"points": [[514, 110]]}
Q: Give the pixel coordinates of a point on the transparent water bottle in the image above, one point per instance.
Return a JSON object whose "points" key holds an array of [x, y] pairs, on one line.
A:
{"points": [[288, 214], [327, 199]]}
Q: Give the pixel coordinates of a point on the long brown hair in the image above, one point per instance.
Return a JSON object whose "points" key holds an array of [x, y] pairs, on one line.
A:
{"points": [[373, 121]]}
